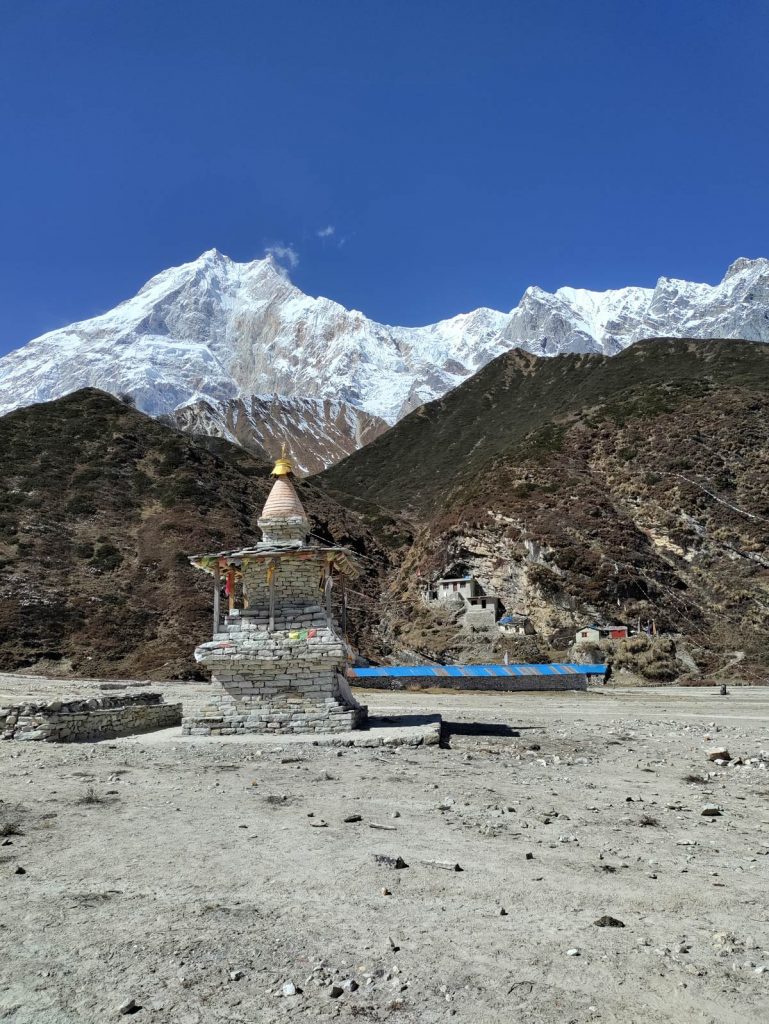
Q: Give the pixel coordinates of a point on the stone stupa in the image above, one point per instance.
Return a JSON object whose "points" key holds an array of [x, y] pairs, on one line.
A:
{"points": [[277, 662]]}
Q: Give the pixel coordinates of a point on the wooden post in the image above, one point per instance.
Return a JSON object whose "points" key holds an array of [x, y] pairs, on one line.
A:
{"points": [[271, 571], [217, 596], [231, 588]]}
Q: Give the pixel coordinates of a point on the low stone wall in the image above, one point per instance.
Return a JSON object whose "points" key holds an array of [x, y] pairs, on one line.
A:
{"points": [[86, 720], [511, 683]]}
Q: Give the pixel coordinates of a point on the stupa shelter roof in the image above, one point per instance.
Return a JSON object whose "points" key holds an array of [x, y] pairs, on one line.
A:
{"points": [[339, 558]]}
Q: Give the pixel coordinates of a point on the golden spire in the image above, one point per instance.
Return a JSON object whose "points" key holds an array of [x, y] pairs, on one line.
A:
{"points": [[283, 466]]}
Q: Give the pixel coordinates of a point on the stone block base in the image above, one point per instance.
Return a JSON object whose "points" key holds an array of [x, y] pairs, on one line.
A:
{"points": [[265, 720]]}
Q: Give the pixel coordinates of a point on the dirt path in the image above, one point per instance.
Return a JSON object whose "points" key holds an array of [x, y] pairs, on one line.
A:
{"points": [[199, 883]]}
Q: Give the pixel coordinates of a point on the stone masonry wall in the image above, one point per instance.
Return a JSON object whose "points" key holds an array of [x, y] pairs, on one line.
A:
{"points": [[296, 580], [87, 720], [286, 679]]}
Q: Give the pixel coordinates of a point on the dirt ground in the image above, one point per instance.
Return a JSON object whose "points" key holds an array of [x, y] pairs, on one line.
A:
{"points": [[200, 878]]}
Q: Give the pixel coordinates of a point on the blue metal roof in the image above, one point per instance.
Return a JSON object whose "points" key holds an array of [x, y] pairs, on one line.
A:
{"points": [[475, 671]]}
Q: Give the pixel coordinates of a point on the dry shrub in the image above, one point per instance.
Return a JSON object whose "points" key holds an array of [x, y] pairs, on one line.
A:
{"points": [[91, 796], [11, 819]]}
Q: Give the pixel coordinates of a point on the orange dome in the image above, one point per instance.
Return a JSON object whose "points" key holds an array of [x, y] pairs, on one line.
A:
{"points": [[283, 501]]}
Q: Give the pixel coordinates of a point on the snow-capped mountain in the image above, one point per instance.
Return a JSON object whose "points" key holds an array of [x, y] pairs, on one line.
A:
{"points": [[578, 320], [317, 432], [221, 332]]}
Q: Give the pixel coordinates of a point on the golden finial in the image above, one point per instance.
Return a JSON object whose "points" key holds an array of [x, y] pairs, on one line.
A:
{"points": [[283, 466]]}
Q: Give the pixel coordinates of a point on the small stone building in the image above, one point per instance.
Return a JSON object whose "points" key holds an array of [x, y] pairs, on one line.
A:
{"points": [[277, 662], [480, 610], [464, 587], [516, 625], [595, 634]]}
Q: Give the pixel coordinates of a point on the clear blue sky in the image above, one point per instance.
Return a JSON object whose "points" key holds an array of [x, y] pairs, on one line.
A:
{"points": [[459, 150]]}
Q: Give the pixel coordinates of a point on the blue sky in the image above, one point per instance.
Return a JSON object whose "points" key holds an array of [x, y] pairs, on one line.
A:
{"points": [[420, 157]]}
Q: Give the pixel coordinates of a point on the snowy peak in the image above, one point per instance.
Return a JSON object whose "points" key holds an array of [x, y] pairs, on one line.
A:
{"points": [[220, 331], [753, 267]]}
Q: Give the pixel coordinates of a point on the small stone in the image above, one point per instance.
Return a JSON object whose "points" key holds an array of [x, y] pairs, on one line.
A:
{"points": [[288, 989], [386, 861], [572, 952], [502, 912], [607, 921], [529, 856], [395, 814], [352, 818], [711, 811], [386, 892], [336, 991], [129, 1006], [719, 754], [20, 870], [349, 985], [236, 975]]}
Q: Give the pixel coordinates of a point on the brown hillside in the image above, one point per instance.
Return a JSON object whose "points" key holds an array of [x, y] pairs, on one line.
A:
{"points": [[582, 487], [99, 508]]}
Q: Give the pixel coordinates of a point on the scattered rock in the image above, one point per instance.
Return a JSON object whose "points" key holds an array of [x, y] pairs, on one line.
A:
{"points": [[351, 818], [502, 912], [288, 989], [20, 870], [349, 985], [607, 921], [386, 861], [529, 856], [445, 864], [572, 952], [719, 754], [386, 892], [236, 975], [129, 1006], [336, 991], [711, 811]]}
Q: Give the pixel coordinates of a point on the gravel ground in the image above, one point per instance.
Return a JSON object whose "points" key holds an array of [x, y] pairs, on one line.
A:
{"points": [[200, 879]]}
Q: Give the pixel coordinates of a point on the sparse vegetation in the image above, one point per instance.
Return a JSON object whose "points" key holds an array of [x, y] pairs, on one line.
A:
{"points": [[99, 507], [91, 796], [11, 820]]}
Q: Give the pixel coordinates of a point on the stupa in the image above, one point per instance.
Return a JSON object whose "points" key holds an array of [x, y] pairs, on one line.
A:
{"points": [[278, 661]]}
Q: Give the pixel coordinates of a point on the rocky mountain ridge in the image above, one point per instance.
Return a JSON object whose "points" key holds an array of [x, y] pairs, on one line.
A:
{"points": [[586, 488], [576, 488], [317, 432], [219, 332]]}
